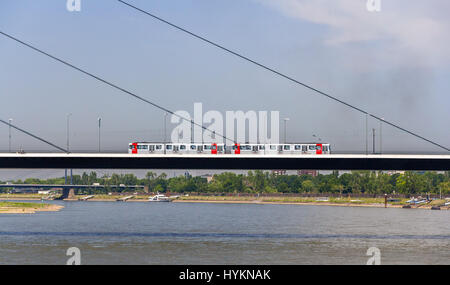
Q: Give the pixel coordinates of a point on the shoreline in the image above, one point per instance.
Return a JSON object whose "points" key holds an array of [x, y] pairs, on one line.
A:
{"points": [[30, 208], [367, 205], [227, 201], [290, 203]]}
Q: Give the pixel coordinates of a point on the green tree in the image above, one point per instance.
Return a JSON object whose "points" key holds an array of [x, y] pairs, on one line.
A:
{"points": [[444, 188], [308, 186]]}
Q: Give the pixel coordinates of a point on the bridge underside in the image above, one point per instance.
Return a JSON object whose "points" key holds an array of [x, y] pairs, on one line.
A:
{"points": [[328, 162]]}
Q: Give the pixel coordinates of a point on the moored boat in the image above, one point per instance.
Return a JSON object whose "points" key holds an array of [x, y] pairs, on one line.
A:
{"points": [[162, 198]]}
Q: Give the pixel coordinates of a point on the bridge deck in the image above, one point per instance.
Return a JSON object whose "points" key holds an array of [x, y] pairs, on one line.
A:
{"points": [[225, 161]]}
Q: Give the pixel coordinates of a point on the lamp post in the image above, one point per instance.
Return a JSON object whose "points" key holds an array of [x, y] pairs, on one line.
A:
{"points": [[99, 126], [373, 141], [67, 117], [165, 125], [381, 142], [10, 120], [367, 140], [285, 121]]}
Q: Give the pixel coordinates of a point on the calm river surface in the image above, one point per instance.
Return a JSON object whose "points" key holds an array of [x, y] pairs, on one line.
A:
{"points": [[198, 233]]}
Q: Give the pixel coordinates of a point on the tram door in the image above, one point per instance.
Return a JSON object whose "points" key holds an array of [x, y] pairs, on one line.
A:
{"points": [[319, 148], [237, 148], [214, 148]]}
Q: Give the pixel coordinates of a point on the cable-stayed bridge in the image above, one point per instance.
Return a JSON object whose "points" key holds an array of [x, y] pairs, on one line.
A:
{"points": [[333, 161]]}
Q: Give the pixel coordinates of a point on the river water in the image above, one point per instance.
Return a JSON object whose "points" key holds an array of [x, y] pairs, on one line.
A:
{"points": [[200, 233]]}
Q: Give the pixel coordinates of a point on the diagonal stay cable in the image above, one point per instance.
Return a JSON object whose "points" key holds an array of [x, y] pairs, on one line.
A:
{"points": [[113, 85], [34, 136], [280, 74]]}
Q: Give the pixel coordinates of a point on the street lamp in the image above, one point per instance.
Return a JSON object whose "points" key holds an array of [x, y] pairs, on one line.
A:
{"points": [[68, 116], [165, 125], [285, 121], [373, 140], [99, 126], [381, 142], [367, 138], [10, 120]]}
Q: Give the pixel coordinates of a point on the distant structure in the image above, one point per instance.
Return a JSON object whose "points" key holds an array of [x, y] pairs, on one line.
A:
{"points": [[208, 177], [392, 172], [279, 172], [307, 172]]}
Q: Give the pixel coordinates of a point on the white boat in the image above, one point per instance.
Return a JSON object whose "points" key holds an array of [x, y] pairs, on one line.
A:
{"points": [[416, 201], [412, 200], [162, 198]]}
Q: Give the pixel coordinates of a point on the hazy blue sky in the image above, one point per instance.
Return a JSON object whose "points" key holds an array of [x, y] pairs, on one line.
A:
{"points": [[394, 63]]}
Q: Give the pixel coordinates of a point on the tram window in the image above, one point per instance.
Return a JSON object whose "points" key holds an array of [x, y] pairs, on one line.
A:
{"points": [[297, 147], [131, 146], [182, 147], [273, 147], [312, 147], [325, 148], [318, 147], [207, 147], [304, 148], [169, 147], [220, 148], [193, 147], [287, 147], [158, 146], [261, 147]]}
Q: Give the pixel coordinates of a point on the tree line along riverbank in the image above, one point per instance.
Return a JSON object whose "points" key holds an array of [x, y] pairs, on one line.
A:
{"points": [[408, 183]]}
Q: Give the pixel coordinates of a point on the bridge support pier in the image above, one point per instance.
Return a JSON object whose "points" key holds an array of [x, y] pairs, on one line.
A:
{"points": [[67, 193]]}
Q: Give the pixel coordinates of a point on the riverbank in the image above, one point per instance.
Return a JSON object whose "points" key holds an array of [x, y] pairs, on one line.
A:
{"points": [[316, 201], [280, 200], [7, 207]]}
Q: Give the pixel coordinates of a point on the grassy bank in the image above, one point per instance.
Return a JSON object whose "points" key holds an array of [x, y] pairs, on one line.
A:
{"points": [[290, 199], [348, 202], [7, 207], [31, 196], [329, 201]]}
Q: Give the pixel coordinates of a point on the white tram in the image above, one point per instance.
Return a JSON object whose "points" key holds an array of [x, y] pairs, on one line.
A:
{"points": [[218, 148]]}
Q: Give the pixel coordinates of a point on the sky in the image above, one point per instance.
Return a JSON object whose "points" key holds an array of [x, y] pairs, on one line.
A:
{"points": [[393, 63]]}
